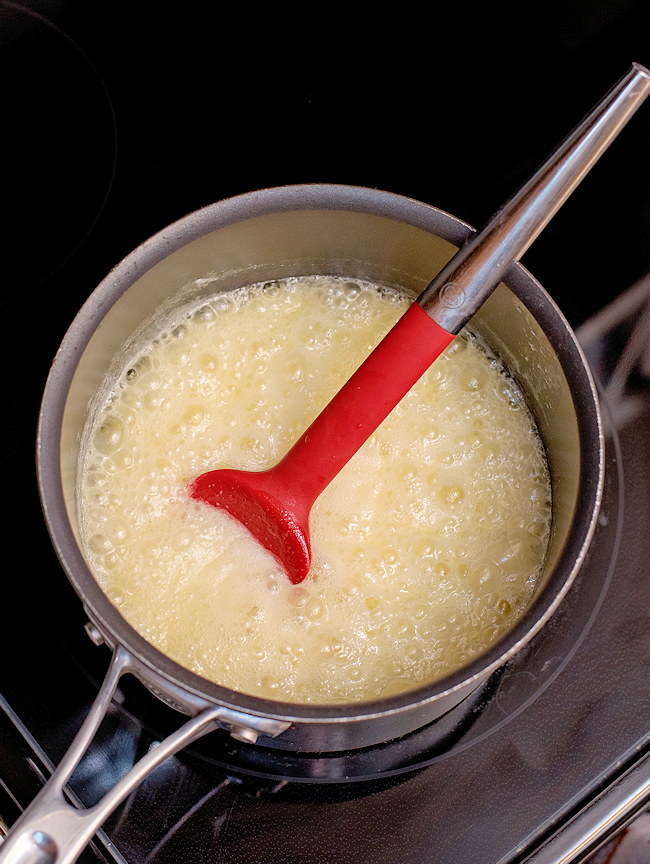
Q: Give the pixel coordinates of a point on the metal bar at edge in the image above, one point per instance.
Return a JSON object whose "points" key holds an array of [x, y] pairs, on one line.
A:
{"points": [[598, 822]]}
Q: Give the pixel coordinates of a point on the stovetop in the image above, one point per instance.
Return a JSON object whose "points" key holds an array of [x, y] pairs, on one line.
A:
{"points": [[120, 120]]}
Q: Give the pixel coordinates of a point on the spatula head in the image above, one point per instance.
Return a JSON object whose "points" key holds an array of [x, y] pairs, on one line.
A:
{"points": [[249, 497]]}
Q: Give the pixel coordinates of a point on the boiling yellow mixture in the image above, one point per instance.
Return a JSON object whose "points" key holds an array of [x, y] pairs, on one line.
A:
{"points": [[426, 547]]}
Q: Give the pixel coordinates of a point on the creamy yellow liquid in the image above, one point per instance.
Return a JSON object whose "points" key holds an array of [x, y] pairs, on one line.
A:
{"points": [[426, 547]]}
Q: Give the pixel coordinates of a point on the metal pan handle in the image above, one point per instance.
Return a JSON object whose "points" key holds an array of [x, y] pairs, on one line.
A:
{"points": [[51, 830]]}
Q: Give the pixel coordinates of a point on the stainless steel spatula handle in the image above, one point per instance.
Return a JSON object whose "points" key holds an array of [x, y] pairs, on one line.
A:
{"points": [[477, 268]]}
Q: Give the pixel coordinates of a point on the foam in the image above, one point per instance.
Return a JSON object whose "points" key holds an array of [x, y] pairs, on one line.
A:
{"points": [[426, 547]]}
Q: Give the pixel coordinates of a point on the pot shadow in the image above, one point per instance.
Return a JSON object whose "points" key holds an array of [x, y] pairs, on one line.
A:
{"points": [[295, 774]]}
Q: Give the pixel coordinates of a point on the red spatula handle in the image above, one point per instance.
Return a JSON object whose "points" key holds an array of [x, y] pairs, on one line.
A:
{"points": [[364, 401]]}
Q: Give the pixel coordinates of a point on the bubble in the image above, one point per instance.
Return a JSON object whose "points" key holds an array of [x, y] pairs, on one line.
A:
{"points": [[315, 610], [250, 444], [296, 368], [223, 302], [100, 544], [414, 652], [483, 576], [194, 415], [143, 365], [269, 684], [538, 527], [489, 634], [179, 353], [123, 459], [204, 314], [117, 529], [323, 644], [407, 472], [449, 527], [350, 587], [421, 548], [96, 479], [390, 557], [151, 401], [110, 435], [472, 379], [402, 628], [451, 494], [110, 561], [151, 381], [442, 569], [127, 415], [299, 596], [505, 608]]}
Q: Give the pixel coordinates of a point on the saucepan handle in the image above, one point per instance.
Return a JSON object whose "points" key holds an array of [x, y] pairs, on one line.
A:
{"points": [[51, 830]]}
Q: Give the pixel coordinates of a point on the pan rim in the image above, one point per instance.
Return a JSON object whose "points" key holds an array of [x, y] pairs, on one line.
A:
{"points": [[238, 208]]}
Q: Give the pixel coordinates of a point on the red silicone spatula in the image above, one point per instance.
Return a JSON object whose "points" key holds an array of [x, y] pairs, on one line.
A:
{"points": [[275, 504]]}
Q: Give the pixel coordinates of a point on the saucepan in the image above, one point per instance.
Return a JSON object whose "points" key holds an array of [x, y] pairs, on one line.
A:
{"points": [[301, 230], [268, 235]]}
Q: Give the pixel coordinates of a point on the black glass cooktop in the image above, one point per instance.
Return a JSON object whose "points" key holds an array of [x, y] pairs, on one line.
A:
{"points": [[118, 119]]}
